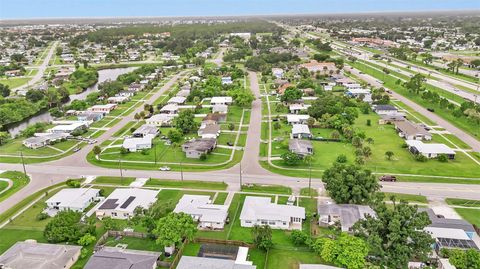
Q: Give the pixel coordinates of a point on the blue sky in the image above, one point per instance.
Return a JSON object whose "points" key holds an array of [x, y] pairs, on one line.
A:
{"points": [[111, 8]]}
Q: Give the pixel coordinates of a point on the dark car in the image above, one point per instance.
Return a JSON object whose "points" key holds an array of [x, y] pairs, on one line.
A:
{"points": [[431, 109], [388, 178]]}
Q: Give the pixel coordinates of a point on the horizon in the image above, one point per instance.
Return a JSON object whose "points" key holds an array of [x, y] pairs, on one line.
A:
{"points": [[107, 9]]}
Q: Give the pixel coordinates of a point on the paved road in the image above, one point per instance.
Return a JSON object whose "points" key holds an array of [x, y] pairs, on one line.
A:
{"points": [[468, 139], [41, 70]]}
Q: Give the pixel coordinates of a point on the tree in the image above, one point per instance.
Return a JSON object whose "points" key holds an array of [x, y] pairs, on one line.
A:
{"points": [[346, 251], [262, 237], [242, 97], [185, 121], [291, 94], [87, 240], [34, 95], [395, 236], [298, 237], [464, 259], [290, 158], [357, 141], [4, 136], [442, 158], [389, 155], [97, 150], [174, 136], [277, 125], [342, 158], [335, 134], [4, 90], [350, 184], [415, 83], [174, 228], [231, 126], [67, 226]]}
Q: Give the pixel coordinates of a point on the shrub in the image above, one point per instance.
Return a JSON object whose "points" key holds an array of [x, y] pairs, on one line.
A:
{"points": [[203, 157], [42, 216], [73, 183], [298, 237], [342, 158], [442, 158], [420, 158]]}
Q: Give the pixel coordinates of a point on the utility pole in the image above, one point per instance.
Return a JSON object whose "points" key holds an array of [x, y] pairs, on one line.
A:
{"points": [[23, 163], [181, 168], [310, 177], [155, 152], [120, 166]]}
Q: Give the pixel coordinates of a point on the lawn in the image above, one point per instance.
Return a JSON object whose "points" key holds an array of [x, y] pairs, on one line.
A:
{"points": [[285, 259], [14, 82], [274, 189], [189, 184], [19, 181], [470, 215], [11, 236], [308, 192], [125, 181], [463, 202], [220, 199], [407, 197]]}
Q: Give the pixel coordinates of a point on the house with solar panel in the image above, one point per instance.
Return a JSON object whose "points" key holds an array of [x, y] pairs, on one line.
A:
{"points": [[121, 203]]}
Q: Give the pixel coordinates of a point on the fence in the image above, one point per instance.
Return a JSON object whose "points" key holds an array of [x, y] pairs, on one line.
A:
{"points": [[108, 234], [223, 242]]}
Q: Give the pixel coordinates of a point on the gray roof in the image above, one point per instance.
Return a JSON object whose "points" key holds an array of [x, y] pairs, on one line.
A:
{"points": [[410, 128], [349, 214], [146, 129], [188, 262], [302, 147], [210, 129], [447, 223], [116, 258], [33, 255], [385, 107], [201, 144]]}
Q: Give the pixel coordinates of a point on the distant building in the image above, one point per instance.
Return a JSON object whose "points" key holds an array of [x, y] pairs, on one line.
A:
{"points": [[68, 128], [385, 109], [176, 100], [196, 148], [146, 130], [169, 109], [121, 203], [103, 108], [32, 255]]}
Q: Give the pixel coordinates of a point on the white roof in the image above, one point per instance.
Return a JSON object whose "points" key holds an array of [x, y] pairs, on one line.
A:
{"points": [[161, 117], [447, 233], [134, 198], [201, 205], [69, 127], [106, 106], [221, 99], [132, 142], [359, 91], [255, 208], [177, 99], [430, 147], [297, 117], [300, 129], [298, 106], [74, 197], [170, 107]]}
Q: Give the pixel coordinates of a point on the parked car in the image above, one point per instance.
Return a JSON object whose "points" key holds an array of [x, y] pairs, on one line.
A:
{"points": [[164, 168], [431, 109], [76, 149], [388, 178]]}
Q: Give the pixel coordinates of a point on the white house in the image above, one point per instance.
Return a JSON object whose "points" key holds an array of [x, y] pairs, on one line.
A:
{"points": [[222, 109], [161, 119], [176, 100], [202, 210], [146, 130], [41, 140], [134, 144], [261, 211], [297, 118], [121, 203], [297, 108], [76, 199], [103, 108], [118, 99], [385, 110], [221, 100], [68, 128], [300, 131], [169, 109], [430, 150]]}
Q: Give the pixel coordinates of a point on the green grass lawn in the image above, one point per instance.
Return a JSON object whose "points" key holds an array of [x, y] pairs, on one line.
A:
{"points": [[19, 181], [125, 181], [15, 146], [188, 184], [290, 258], [276, 189], [407, 197], [470, 215], [3, 185], [463, 202], [220, 199], [308, 191], [10, 236], [135, 243], [14, 82], [191, 249]]}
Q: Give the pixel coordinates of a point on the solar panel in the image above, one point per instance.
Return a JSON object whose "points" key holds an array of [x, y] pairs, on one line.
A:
{"points": [[109, 204], [128, 202]]}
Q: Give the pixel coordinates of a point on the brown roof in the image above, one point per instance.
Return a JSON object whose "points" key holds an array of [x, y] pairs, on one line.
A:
{"points": [[410, 128]]}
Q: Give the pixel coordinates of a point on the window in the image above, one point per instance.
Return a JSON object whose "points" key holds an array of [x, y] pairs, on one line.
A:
{"points": [[248, 221], [271, 222], [114, 214], [264, 222]]}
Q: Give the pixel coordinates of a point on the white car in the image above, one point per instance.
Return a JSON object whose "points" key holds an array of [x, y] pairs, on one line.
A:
{"points": [[164, 168]]}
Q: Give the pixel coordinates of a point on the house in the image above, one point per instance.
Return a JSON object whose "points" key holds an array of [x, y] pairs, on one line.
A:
{"points": [[32, 255], [300, 131], [430, 150], [385, 109], [221, 100], [221, 109], [238, 262], [146, 130], [118, 99], [442, 222], [195, 148], [121, 203], [282, 88], [346, 214], [102, 108], [119, 258], [227, 80], [161, 119], [216, 117], [183, 93], [76, 199], [300, 147], [202, 210], [176, 100], [90, 116], [261, 211], [169, 109], [391, 119], [68, 128], [13, 73], [412, 131], [135, 87], [344, 81], [277, 72], [297, 108], [297, 118], [134, 144], [325, 68], [43, 140], [209, 130], [359, 93], [128, 93]]}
